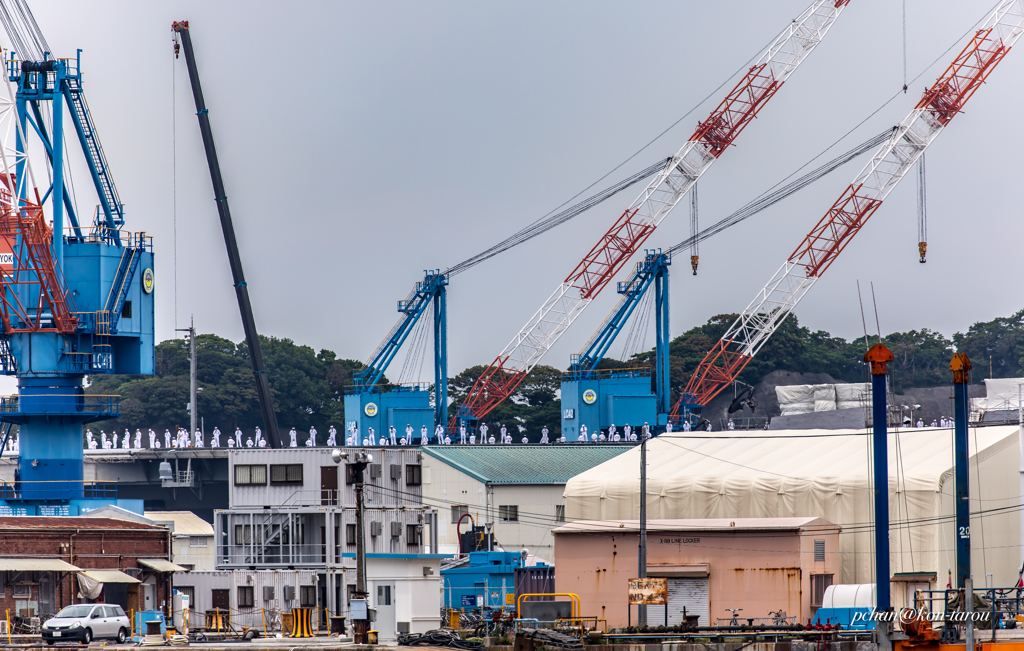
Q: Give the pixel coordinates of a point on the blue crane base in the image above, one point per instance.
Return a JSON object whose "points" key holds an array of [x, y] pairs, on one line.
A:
{"points": [[50, 413], [401, 407], [608, 398]]}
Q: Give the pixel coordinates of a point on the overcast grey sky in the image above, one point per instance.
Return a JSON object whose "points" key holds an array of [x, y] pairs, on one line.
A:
{"points": [[365, 142]]}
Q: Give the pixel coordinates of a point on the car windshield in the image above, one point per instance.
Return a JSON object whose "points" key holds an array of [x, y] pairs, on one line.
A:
{"points": [[80, 610]]}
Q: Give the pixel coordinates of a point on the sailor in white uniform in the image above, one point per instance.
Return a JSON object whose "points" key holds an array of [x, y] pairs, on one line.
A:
{"points": [[215, 442], [583, 434], [332, 437], [393, 435], [294, 436], [312, 437], [544, 435]]}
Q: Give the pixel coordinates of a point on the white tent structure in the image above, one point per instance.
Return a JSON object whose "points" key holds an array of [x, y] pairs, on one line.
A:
{"points": [[827, 474]]}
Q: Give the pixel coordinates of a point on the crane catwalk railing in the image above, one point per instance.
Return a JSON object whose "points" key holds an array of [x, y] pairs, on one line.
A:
{"points": [[712, 137], [848, 215]]}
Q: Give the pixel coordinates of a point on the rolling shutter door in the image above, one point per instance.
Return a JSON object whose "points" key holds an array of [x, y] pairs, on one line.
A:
{"points": [[691, 594]]}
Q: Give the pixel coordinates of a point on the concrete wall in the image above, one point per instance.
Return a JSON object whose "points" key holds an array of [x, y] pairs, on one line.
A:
{"points": [[195, 552], [445, 487], [417, 594], [756, 571]]}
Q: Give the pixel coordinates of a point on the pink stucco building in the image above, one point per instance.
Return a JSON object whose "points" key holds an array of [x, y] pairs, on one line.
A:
{"points": [[759, 565]]}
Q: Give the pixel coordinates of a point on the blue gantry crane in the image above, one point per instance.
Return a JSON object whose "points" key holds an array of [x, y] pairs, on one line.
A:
{"points": [[599, 398], [76, 299], [369, 403]]}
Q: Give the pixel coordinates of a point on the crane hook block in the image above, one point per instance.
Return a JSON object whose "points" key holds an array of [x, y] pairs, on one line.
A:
{"points": [[694, 259], [961, 367], [878, 357], [922, 249]]}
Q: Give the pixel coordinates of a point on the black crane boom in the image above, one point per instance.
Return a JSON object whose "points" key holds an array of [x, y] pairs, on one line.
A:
{"points": [[241, 289]]}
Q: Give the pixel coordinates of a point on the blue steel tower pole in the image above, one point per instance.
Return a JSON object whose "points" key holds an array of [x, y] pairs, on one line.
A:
{"points": [[440, 356], [961, 367], [57, 200], [878, 357], [661, 300]]}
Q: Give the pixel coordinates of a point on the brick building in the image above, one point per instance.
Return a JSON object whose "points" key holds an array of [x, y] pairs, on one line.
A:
{"points": [[122, 562]]}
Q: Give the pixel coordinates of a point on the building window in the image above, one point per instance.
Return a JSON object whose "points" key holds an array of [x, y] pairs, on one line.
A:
{"points": [[413, 535], [250, 475], [126, 311], [459, 510], [21, 591], [286, 474], [350, 534], [819, 550], [246, 595], [819, 582], [559, 512], [197, 541], [243, 534], [413, 474], [307, 596], [508, 513]]}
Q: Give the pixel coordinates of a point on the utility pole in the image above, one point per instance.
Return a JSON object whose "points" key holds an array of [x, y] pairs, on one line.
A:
{"points": [[193, 407], [358, 463], [641, 610]]}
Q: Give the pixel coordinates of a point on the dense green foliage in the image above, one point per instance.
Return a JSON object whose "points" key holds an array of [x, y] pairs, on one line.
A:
{"points": [[309, 387]]}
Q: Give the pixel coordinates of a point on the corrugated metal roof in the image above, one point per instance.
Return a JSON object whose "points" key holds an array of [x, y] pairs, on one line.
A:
{"points": [[160, 565], [699, 524], [524, 464], [109, 576], [35, 565], [46, 522], [186, 523]]}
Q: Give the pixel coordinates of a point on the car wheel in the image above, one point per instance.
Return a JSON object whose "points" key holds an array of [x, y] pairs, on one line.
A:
{"points": [[122, 635], [87, 636], [50, 642]]}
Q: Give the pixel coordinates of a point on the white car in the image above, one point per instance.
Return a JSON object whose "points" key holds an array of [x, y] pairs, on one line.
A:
{"points": [[87, 622]]}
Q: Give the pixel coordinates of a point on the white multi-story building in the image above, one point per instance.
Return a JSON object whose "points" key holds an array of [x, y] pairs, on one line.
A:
{"points": [[295, 509]]}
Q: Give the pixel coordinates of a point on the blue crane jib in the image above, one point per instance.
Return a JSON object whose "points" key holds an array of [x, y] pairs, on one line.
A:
{"points": [[77, 300], [599, 398], [369, 403]]}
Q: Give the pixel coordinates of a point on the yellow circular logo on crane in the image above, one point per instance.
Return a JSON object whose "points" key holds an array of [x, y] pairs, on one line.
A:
{"points": [[147, 281], [590, 396], [370, 409]]}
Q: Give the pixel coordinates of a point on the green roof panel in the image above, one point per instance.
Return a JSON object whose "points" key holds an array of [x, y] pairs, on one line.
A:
{"points": [[524, 464]]}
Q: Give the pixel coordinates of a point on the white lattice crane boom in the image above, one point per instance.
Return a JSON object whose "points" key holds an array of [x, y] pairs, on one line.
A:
{"points": [[859, 201], [635, 225]]}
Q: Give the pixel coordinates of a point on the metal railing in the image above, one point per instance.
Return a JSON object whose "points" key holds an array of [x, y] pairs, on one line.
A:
{"points": [[272, 554], [999, 608], [58, 490], [353, 389], [47, 403], [605, 373]]}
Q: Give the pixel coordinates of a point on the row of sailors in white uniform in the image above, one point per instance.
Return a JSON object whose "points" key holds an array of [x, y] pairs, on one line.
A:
{"points": [[183, 440]]}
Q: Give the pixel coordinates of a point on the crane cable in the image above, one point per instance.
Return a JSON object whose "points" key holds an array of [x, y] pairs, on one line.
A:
{"points": [[771, 197], [544, 224]]}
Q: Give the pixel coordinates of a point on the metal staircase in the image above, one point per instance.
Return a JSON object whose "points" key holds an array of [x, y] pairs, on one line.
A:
{"points": [[111, 202], [126, 268]]}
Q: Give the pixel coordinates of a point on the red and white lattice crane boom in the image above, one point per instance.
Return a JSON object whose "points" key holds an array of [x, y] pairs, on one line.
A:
{"points": [[635, 225], [773, 303]]}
